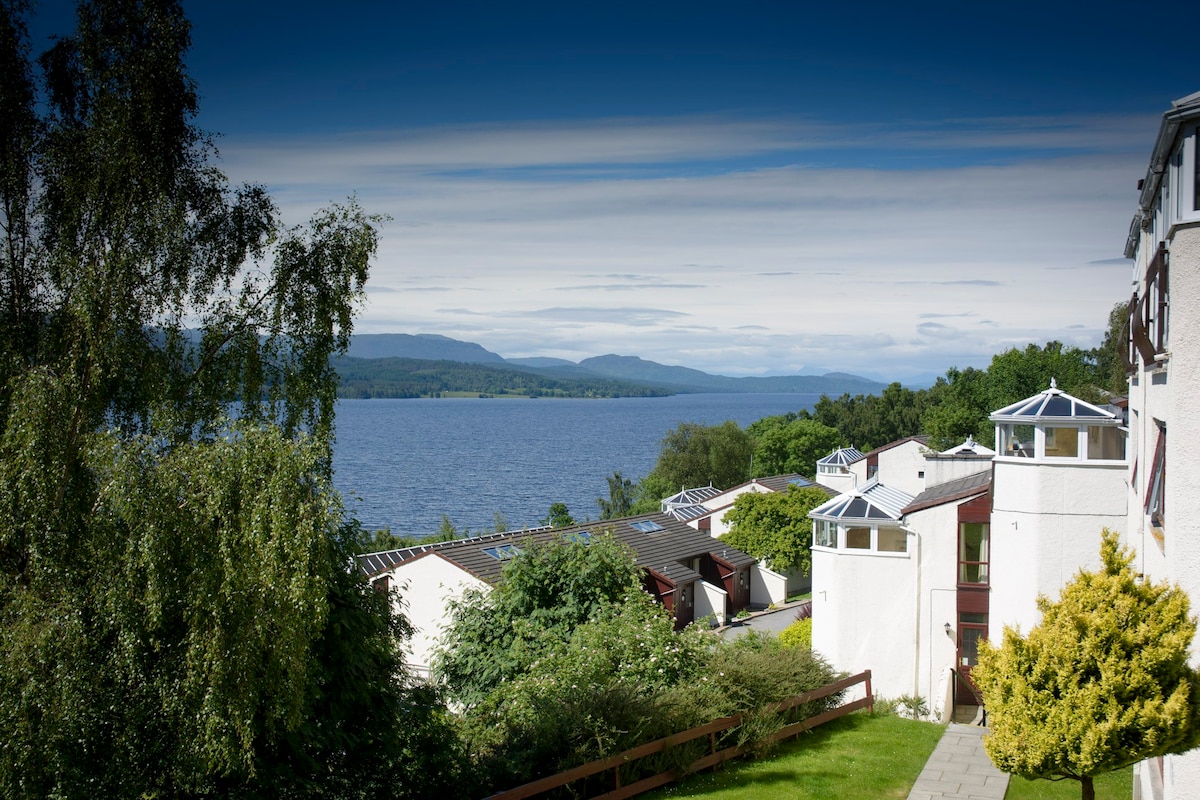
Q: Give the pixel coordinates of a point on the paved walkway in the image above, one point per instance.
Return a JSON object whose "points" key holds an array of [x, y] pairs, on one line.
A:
{"points": [[959, 769]]}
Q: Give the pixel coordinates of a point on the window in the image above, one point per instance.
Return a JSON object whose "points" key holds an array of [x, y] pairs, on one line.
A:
{"points": [[646, 526], [1062, 443], [1156, 485], [1016, 440], [578, 537], [973, 552], [858, 538], [1105, 443], [892, 540], [503, 552], [1196, 169], [824, 533]]}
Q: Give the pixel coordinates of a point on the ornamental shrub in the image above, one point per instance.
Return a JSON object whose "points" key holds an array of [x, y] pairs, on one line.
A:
{"points": [[798, 634]]}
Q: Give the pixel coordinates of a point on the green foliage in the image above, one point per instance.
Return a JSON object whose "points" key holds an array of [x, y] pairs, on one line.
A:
{"points": [[698, 455], [1109, 357], [870, 421], [595, 693], [559, 516], [798, 634], [790, 444], [412, 377], [176, 613], [361, 540], [1102, 682], [620, 498], [775, 526], [963, 405], [543, 595]]}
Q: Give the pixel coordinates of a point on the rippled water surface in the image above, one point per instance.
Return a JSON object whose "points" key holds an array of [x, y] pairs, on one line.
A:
{"points": [[402, 464]]}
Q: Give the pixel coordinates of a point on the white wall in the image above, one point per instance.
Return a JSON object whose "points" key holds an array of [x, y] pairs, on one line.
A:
{"points": [[1172, 396], [942, 469], [766, 587], [426, 586], [710, 602], [1046, 524], [903, 467], [863, 616]]}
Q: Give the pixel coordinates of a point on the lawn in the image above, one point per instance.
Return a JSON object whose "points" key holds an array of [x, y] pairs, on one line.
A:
{"points": [[848, 759], [1111, 786], [855, 757]]}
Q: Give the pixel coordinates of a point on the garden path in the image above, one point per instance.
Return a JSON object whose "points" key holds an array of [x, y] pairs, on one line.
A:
{"points": [[959, 769]]}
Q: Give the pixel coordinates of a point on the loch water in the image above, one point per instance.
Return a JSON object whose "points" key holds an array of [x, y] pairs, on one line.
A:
{"points": [[402, 464]]}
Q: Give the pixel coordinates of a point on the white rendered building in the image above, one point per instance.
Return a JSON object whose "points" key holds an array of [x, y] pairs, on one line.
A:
{"points": [[1059, 480], [1164, 391]]}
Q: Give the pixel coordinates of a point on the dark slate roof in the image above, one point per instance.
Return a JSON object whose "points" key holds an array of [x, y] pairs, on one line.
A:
{"points": [[951, 491], [665, 551], [780, 483], [1054, 405]]}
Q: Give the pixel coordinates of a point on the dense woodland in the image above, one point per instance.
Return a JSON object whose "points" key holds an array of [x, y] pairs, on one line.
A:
{"points": [[409, 377], [176, 614]]}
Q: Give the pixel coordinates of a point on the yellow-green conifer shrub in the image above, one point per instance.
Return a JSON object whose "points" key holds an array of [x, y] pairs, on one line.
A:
{"points": [[1101, 683], [798, 634]]}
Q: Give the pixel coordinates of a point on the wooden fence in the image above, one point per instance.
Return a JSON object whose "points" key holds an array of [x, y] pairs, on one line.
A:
{"points": [[714, 756]]}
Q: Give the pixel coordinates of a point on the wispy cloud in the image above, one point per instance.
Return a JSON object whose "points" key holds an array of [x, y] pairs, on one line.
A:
{"points": [[778, 259]]}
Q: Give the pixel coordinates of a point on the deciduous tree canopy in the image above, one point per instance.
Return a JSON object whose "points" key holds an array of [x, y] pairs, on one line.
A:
{"points": [[775, 526], [176, 613]]}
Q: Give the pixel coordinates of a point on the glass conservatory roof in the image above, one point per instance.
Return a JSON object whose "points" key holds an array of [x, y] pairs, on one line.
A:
{"points": [[873, 501], [842, 458], [1054, 404]]}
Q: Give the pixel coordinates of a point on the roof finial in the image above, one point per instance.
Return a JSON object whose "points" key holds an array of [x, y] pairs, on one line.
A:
{"points": [[1053, 383]]}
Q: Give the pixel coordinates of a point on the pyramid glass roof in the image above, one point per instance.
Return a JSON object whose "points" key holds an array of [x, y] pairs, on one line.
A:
{"points": [[1054, 405], [873, 502], [842, 457]]}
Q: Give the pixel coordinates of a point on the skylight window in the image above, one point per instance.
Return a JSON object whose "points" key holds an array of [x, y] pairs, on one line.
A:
{"points": [[646, 526], [503, 552], [579, 537]]}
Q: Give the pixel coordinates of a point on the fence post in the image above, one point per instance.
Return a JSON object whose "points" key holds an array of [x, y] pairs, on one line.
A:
{"points": [[870, 696]]}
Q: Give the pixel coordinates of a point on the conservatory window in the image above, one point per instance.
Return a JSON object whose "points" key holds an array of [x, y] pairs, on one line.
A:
{"points": [[892, 540], [858, 538], [1062, 443], [824, 533], [1016, 440], [1105, 443]]}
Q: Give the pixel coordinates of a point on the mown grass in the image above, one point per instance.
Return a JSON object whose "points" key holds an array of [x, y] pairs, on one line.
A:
{"points": [[1110, 786], [856, 757], [848, 759]]}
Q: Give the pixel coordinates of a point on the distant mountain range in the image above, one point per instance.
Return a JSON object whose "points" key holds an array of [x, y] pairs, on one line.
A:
{"points": [[428, 365]]}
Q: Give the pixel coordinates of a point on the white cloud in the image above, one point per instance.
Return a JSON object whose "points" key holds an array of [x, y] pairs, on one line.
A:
{"points": [[756, 263]]}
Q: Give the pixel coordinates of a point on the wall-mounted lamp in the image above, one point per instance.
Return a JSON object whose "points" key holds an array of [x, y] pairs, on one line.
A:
{"points": [[947, 628]]}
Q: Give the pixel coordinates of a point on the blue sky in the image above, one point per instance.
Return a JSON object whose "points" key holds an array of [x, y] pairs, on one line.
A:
{"points": [[748, 189]]}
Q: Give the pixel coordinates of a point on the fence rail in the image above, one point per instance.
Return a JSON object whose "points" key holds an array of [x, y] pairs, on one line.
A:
{"points": [[714, 756]]}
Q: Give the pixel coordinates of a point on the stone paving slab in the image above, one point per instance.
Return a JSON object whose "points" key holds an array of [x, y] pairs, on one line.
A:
{"points": [[959, 769]]}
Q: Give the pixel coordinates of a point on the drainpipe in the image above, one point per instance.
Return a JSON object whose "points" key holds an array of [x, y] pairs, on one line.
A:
{"points": [[916, 608]]}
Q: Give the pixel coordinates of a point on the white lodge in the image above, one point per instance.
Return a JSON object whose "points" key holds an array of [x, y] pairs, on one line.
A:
{"points": [[907, 585], [1163, 522]]}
